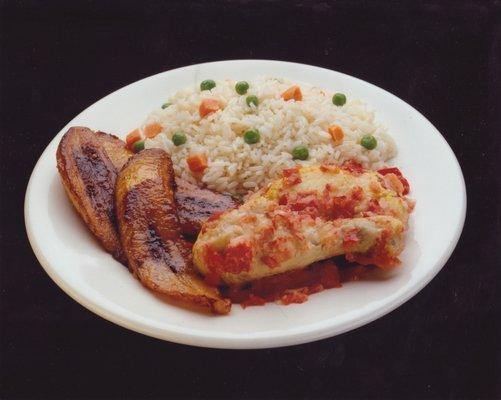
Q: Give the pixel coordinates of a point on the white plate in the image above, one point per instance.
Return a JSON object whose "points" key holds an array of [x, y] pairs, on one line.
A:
{"points": [[74, 260]]}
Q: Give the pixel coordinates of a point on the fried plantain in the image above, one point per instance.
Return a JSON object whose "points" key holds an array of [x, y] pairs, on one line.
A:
{"points": [[195, 205], [88, 163], [150, 232]]}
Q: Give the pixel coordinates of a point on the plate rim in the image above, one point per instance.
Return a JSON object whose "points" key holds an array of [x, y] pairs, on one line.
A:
{"points": [[303, 333]]}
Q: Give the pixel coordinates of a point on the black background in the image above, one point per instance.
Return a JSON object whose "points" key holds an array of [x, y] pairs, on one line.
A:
{"points": [[58, 57]]}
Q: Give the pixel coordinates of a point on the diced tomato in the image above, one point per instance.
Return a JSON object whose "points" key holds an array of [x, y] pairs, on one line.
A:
{"points": [[390, 170], [235, 258], [197, 163], [374, 207], [293, 222], [296, 296], [283, 199], [305, 201], [269, 261], [350, 238], [327, 205], [293, 93], [291, 176], [280, 249], [265, 234], [253, 300], [208, 106], [152, 130], [353, 166], [336, 133], [357, 193], [335, 207], [133, 137], [214, 259], [238, 257], [377, 256], [396, 171], [393, 183]]}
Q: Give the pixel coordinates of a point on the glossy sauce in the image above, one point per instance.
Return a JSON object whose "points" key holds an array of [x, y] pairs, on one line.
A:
{"points": [[295, 286]]}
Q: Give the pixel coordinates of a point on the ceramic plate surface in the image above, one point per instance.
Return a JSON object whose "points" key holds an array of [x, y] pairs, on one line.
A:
{"points": [[75, 261]]}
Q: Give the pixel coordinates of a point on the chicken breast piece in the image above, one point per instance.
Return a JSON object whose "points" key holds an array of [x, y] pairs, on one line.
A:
{"points": [[310, 214], [150, 232]]}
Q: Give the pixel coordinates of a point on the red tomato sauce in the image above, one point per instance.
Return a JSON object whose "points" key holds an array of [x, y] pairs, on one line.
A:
{"points": [[234, 259], [295, 286]]}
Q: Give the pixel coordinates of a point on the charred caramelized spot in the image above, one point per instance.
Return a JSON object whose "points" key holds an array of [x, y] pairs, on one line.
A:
{"points": [[155, 244], [131, 202], [98, 176], [196, 205], [167, 251]]}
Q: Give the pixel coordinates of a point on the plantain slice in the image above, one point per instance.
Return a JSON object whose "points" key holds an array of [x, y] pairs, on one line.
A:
{"points": [[150, 232], [195, 205], [88, 163]]}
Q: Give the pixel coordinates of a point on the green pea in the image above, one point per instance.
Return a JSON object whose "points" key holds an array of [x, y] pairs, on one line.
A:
{"points": [[138, 146], [369, 142], [208, 84], [242, 87], [300, 153], [252, 136], [339, 99], [179, 138], [165, 105], [252, 100]]}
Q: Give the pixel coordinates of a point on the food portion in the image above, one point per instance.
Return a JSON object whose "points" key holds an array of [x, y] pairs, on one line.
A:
{"points": [[150, 232], [195, 205], [320, 205], [237, 136], [310, 214], [88, 163]]}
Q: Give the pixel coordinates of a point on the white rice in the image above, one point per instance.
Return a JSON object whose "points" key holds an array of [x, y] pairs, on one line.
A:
{"points": [[236, 167]]}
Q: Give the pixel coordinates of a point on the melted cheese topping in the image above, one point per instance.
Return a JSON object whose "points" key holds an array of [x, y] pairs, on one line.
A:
{"points": [[310, 214]]}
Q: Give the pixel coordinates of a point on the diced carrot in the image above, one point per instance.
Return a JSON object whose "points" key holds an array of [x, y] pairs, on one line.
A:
{"points": [[208, 106], [197, 162], [336, 133], [133, 137], [293, 93], [152, 130]]}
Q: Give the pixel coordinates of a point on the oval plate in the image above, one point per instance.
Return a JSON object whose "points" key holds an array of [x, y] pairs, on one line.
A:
{"points": [[75, 261]]}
